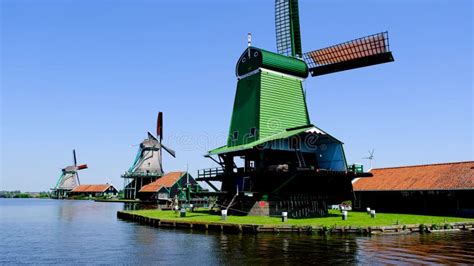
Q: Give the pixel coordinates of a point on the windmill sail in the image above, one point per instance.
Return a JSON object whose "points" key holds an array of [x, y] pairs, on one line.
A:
{"points": [[75, 165], [362, 52], [287, 25], [74, 157], [169, 150], [159, 126]]}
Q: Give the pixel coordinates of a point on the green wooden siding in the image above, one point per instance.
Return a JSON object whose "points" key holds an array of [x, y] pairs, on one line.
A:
{"points": [[246, 111], [268, 102], [282, 104]]}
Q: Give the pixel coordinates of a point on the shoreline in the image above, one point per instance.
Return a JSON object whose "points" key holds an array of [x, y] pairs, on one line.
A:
{"points": [[255, 228], [117, 200]]}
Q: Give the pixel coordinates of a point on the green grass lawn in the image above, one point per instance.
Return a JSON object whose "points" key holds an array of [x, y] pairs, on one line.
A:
{"points": [[355, 219]]}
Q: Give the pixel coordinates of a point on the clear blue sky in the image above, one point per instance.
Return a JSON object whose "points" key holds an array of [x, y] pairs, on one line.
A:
{"points": [[91, 75]]}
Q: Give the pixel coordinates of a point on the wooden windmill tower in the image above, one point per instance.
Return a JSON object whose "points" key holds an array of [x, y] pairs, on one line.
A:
{"points": [[287, 163], [147, 166], [69, 179]]}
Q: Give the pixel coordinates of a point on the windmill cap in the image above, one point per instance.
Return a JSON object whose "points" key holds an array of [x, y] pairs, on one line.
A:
{"points": [[260, 58]]}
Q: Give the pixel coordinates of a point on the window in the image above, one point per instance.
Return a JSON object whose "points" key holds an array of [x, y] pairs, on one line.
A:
{"points": [[253, 132], [235, 135]]}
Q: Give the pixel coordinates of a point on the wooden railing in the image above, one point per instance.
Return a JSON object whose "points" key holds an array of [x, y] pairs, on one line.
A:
{"points": [[210, 172]]}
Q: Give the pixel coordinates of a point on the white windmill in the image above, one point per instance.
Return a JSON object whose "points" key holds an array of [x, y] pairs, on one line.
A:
{"points": [[371, 158]]}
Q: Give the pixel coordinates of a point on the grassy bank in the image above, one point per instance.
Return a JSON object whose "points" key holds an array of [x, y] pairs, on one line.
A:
{"points": [[355, 219]]}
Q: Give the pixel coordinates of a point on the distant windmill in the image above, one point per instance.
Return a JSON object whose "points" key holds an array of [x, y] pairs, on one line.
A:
{"points": [[69, 178], [148, 164], [370, 157]]}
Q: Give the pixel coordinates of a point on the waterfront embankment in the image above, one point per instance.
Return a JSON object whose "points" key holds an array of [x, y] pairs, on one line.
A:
{"points": [[117, 200], [357, 223]]}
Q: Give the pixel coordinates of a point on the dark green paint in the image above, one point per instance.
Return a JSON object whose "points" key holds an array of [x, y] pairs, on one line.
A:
{"points": [[260, 58]]}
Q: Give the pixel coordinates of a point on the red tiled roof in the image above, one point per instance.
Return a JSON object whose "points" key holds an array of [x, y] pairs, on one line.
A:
{"points": [[166, 181], [91, 188], [444, 176]]}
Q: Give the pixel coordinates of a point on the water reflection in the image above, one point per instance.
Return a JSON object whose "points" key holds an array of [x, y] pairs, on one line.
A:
{"points": [[285, 249], [78, 232], [443, 248]]}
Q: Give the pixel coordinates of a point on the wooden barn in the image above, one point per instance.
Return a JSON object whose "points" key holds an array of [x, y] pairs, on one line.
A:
{"points": [[443, 189], [94, 190], [167, 187]]}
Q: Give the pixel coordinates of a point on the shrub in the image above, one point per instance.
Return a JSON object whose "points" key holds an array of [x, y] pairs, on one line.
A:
{"points": [[44, 195], [447, 226], [327, 230], [423, 228], [22, 196], [347, 203]]}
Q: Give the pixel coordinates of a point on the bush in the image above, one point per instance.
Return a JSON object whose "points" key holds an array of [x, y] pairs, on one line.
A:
{"points": [[43, 195], [347, 203], [327, 230], [423, 228], [22, 196], [447, 226]]}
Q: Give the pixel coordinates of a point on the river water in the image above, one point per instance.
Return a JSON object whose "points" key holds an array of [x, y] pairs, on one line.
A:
{"points": [[86, 232]]}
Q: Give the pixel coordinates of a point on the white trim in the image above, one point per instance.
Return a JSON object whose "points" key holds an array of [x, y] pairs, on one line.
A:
{"points": [[261, 69], [314, 130], [281, 74], [249, 74]]}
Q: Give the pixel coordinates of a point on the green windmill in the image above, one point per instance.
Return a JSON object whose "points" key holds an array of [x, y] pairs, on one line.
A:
{"points": [[275, 160]]}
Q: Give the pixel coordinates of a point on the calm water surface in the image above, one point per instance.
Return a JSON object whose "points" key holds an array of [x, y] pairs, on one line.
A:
{"points": [[86, 232]]}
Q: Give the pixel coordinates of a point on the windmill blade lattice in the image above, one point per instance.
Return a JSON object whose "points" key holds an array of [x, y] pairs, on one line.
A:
{"points": [[287, 24], [370, 50]]}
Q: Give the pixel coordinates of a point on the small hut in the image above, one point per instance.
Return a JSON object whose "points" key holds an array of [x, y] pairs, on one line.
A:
{"points": [[173, 185]]}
